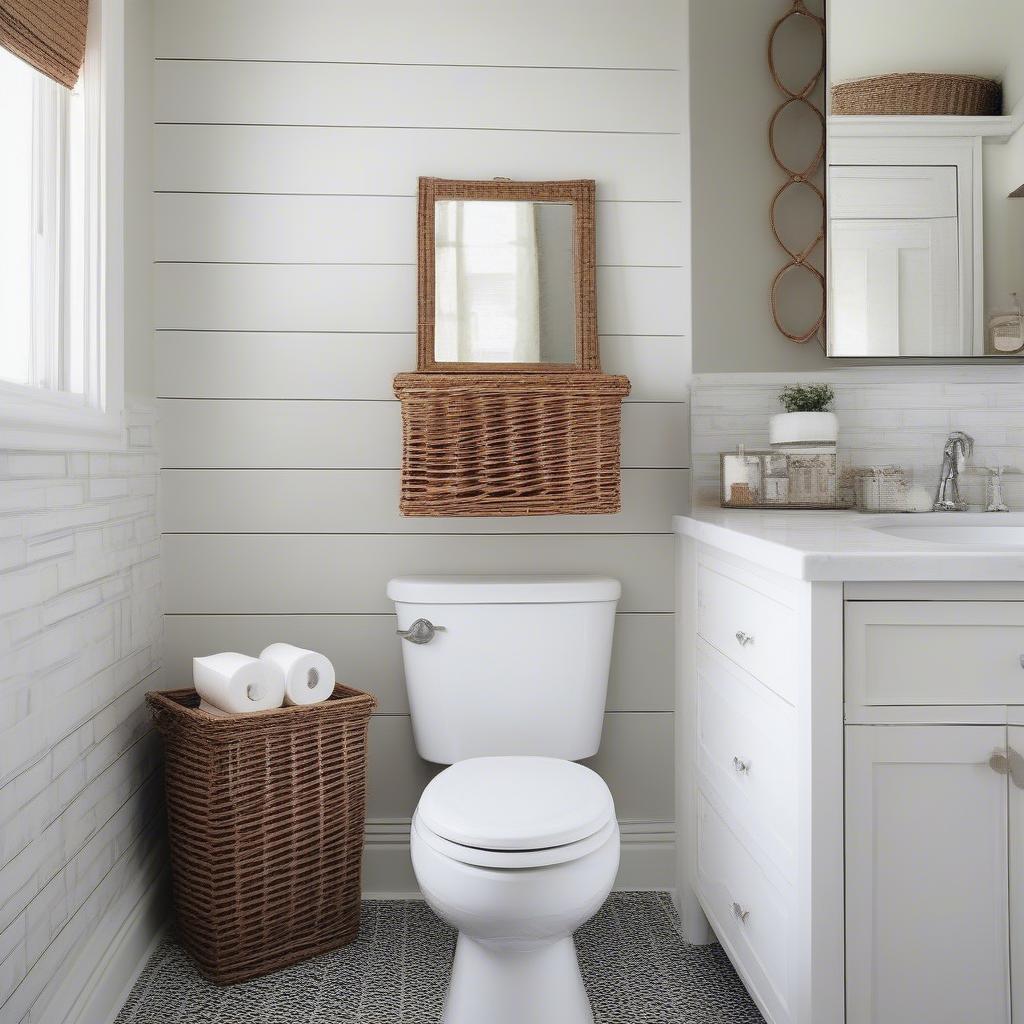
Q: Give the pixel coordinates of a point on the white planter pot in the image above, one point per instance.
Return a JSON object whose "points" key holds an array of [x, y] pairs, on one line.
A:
{"points": [[803, 428]]}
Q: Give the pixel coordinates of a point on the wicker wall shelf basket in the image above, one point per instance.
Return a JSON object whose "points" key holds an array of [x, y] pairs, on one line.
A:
{"points": [[511, 439], [510, 444], [919, 94], [266, 814]]}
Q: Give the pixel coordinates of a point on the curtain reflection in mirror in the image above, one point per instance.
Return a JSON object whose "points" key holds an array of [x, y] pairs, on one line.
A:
{"points": [[487, 302]]}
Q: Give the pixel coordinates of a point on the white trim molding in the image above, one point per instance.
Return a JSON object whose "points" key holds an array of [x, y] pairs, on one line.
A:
{"points": [[647, 860]]}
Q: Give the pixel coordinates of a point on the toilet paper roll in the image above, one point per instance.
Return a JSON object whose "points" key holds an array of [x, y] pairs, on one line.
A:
{"points": [[307, 677], [205, 705], [237, 683]]}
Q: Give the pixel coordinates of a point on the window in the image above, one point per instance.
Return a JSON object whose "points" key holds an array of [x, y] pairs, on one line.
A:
{"points": [[61, 249], [42, 247]]}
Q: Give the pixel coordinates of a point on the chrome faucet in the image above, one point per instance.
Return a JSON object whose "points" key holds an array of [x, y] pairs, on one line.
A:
{"points": [[955, 453]]}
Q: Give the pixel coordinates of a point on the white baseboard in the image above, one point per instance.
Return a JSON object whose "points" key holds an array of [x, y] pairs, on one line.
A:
{"points": [[647, 861], [97, 997]]}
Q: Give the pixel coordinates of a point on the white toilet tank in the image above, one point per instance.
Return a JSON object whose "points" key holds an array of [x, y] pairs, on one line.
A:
{"points": [[515, 664]]}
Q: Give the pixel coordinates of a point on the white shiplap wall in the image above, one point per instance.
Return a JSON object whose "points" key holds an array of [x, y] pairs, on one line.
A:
{"points": [[288, 141]]}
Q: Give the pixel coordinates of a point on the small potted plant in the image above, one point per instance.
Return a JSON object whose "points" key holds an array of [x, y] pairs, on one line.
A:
{"points": [[808, 419]]}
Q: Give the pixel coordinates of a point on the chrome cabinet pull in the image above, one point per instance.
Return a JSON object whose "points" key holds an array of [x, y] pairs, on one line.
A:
{"points": [[999, 762], [420, 632], [740, 914], [1015, 767], [743, 638], [740, 765]]}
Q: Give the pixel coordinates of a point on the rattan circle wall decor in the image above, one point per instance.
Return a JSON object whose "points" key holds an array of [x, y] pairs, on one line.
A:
{"points": [[802, 177]]}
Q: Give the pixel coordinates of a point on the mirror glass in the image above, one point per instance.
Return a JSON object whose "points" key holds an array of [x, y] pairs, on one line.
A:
{"points": [[504, 282], [925, 210]]}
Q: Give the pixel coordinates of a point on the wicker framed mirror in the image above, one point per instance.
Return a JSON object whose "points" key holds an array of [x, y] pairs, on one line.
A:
{"points": [[506, 276], [508, 413]]}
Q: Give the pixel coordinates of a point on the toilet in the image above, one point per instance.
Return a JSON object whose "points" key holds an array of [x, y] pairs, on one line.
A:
{"points": [[514, 844]]}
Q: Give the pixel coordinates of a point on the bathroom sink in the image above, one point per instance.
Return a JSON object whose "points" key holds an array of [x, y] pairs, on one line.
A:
{"points": [[959, 529]]}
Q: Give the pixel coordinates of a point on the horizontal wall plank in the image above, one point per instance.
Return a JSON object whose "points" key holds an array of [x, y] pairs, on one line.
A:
{"points": [[636, 760], [655, 435], [367, 654], [420, 96], [366, 501], [303, 573], [242, 364], [603, 33], [289, 297], [218, 228], [358, 435], [658, 368], [285, 298], [274, 365], [387, 161]]}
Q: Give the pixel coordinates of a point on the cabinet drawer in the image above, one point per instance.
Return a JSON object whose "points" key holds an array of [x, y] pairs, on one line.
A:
{"points": [[747, 626], [744, 751], [934, 652], [748, 910]]}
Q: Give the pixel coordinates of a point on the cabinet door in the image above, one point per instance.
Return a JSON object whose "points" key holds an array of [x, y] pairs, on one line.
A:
{"points": [[1015, 742], [926, 876], [895, 287]]}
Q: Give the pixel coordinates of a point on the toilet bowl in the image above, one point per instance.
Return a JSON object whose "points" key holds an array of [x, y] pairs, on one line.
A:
{"points": [[515, 844], [515, 853]]}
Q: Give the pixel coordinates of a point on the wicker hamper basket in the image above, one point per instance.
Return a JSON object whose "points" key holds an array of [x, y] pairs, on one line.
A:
{"points": [[266, 813], [918, 93]]}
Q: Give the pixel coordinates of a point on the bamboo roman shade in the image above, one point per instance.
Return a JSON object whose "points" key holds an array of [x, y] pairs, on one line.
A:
{"points": [[48, 34]]}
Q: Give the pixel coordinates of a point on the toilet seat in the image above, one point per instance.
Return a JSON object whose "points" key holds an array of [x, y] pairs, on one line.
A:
{"points": [[515, 804], [513, 859]]}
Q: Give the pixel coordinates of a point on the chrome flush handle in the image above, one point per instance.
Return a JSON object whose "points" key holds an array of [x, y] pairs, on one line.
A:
{"points": [[740, 765], [743, 638], [420, 632], [999, 762]]}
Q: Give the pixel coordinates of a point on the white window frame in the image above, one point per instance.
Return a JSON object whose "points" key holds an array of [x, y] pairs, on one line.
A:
{"points": [[42, 418]]}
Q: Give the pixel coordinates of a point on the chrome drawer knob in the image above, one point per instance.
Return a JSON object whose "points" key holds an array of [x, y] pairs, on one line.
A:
{"points": [[420, 632], [740, 765], [743, 638], [740, 914]]}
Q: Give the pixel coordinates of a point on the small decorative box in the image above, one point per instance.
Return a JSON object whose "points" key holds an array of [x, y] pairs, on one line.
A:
{"points": [[780, 479]]}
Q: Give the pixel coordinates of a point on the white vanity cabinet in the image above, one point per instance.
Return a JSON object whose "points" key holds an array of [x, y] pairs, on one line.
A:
{"points": [[927, 875], [851, 806], [934, 852]]}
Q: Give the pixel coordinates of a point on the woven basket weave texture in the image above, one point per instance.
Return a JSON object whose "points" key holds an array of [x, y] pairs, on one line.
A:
{"points": [[507, 445], [266, 814], [918, 93]]}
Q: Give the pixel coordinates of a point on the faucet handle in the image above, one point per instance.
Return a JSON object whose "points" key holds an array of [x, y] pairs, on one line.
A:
{"points": [[994, 489]]}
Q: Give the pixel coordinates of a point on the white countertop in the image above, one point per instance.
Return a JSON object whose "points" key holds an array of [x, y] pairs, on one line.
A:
{"points": [[851, 546]]}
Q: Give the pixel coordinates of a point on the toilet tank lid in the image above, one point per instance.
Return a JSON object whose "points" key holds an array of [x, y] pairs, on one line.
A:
{"points": [[503, 589]]}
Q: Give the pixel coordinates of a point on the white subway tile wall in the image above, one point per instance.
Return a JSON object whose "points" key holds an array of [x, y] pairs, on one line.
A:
{"points": [[887, 414], [80, 633]]}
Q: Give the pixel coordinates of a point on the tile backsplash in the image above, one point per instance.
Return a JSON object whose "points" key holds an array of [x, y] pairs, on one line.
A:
{"points": [[888, 414]]}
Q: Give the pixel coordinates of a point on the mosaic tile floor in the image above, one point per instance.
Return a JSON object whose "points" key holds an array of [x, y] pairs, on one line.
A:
{"points": [[637, 969]]}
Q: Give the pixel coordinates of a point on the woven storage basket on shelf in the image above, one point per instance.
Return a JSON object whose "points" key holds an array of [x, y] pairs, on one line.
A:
{"points": [[507, 444], [266, 814], [918, 93]]}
